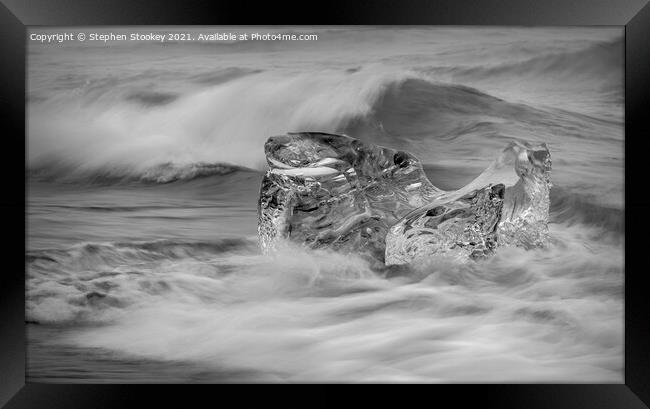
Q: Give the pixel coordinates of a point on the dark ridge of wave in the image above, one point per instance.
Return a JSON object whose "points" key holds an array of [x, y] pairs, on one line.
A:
{"points": [[579, 116], [122, 209], [160, 174], [224, 75], [599, 61], [32, 97], [571, 208], [221, 47], [168, 172], [152, 99], [169, 246], [96, 86]]}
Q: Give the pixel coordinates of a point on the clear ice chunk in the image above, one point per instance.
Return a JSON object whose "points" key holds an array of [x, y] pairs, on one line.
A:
{"points": [[333, 191]]}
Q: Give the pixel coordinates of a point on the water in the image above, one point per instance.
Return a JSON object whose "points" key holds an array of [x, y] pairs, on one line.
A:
{"points": [[144, 167]]}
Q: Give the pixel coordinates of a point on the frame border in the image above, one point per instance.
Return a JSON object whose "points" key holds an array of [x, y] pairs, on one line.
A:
{"points": [[16, 15]]}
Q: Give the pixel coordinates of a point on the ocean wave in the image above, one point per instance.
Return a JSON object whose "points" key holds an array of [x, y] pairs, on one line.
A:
{"points": [[97, 282], [211, 125], [116, 252], [571, 208], [302, 314], [83, 278], [197, 134], [600, 62], [149, 99], [224, 123], [149, 88], [158, 174], [420, 109]]}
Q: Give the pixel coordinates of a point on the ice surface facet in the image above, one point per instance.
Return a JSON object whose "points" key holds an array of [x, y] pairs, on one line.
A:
{"points": [[524, 221], [463, 227]]}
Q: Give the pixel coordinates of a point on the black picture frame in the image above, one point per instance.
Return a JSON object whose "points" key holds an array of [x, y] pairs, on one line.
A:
{"points": [[16, 15]]}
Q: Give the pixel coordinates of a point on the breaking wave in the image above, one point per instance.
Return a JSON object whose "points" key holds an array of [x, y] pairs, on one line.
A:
{"points": [[212, 126], [226, 123], [162, 173]]}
